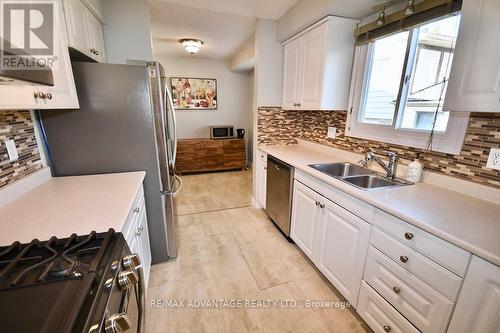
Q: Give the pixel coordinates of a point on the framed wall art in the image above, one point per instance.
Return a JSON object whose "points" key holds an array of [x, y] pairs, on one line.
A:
{"points": [[194, 93]]}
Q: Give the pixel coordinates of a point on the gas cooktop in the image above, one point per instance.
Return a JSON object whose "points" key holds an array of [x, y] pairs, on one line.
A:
{"points": [[58, 285]]}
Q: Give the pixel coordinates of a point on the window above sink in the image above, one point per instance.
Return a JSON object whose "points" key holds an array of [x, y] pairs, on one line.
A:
{"points": [[398, 87]]}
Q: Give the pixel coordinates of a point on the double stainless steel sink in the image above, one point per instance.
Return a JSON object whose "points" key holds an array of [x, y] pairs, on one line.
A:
{"points": [[357, 176]]}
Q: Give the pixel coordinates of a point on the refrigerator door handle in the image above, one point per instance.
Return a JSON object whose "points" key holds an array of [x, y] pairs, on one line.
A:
{"points": [[168, 98]]}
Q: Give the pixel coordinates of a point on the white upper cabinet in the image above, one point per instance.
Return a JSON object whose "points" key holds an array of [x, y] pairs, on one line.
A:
{"points": [[291, 63], [34, 96], [478, 304], [85, 33], [317, 66], [474, 84]]}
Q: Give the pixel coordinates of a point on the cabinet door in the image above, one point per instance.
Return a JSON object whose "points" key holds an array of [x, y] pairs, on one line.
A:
{"points": [[478, 304], [261, 186], [77, 26], [305, 216], [291, 73], [212, 154], [96, 36], [143, 241], [63, 93], [188, 156], [234, 153], [312, 68], [343, 243], [475, 74]]}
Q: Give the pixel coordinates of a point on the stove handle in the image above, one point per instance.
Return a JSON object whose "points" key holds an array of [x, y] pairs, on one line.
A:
{"points": [[141, 299]]}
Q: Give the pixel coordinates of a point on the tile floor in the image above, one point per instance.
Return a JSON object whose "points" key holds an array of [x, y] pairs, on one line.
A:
{"points": [[235, 255]]}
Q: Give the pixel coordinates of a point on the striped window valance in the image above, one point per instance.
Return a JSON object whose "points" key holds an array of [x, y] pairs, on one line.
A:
{"points": [[424, 11]]}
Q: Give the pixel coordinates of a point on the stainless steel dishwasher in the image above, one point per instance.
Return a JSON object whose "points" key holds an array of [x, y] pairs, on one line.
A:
{"points": [[279, 193]]}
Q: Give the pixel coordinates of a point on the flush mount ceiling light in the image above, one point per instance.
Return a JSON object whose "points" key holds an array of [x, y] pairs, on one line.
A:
{"points": [[191, 45], [410, 8]]}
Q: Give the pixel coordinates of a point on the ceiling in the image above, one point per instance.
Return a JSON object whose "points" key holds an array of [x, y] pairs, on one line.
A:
{"points": [[223, 25], [269, 9]]}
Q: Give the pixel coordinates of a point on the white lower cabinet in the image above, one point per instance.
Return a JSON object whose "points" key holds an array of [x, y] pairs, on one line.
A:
{"points": [[380, 315], [305, 217], [135, 231], [428, 310], [478, 306], [343, 241], [333, 238], [261, 178]]}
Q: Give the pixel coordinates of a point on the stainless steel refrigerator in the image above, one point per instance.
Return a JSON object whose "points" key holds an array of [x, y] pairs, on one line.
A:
{"points": [[125, 123]]}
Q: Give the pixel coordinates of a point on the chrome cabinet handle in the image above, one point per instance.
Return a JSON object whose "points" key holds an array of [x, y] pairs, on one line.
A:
{"points": [[40, 95], [299, 104], [139, 231], [408, 235], [117, 323], [403, 259], [136, 210], [49, 96], [317, 203], [387, 328], [396, 290], [322, 206]]}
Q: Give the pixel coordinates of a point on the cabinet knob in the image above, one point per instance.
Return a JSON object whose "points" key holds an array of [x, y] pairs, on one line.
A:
{"points": [[117, 323], [396, 290], [408, 235], [49, 96], [322, 206], [136, 210], [387, 328], [403, 259], [317, 203], [299, 104], [127, 279], [131, 261]]}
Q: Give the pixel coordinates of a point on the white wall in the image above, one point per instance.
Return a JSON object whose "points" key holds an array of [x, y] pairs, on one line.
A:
{"points": [[127, 33], [268, 64], [234, 98]]}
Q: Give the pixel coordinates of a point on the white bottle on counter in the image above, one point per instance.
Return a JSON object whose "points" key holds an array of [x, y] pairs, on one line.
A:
{"points": [[414, 172]]}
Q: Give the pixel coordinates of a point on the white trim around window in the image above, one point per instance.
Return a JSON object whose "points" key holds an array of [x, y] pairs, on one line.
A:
{"points": [[449, 142]]}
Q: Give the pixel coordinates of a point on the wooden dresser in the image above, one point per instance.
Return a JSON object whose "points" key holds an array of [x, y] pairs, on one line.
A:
{"points": [[197, 155]]}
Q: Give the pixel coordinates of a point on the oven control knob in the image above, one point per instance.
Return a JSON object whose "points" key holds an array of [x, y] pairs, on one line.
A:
{"points": [[117, 323], [131, 261], [127, 279]]}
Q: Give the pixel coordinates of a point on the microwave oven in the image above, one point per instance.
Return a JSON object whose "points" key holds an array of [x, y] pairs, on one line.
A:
{"points": [[221, 132]]}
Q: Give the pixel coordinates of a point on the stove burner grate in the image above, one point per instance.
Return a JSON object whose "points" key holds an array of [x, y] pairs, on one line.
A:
{"points": [[47, 261]]}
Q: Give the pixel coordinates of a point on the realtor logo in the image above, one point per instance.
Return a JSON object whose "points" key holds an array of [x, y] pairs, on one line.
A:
{"points": [[28, 30]]}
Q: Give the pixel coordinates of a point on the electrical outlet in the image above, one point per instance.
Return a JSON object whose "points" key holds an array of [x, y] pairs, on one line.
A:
{"points": [[11, 150], [494, 159], [332, 132]]}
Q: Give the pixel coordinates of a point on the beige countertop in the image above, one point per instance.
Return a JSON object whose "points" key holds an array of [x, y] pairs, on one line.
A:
{"points": [[65, 205], [468, 222]]}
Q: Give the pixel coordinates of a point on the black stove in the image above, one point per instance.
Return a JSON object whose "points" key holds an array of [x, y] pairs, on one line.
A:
{"points": [[85, 284]]}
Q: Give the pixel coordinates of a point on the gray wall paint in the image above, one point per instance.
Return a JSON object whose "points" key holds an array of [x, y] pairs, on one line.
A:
{"points": [[127, 33]]}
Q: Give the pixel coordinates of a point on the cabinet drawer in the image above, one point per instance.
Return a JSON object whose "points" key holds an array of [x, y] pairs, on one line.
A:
{"points": [[447, 255], [380, 315], [424, 307], [347, 201], [427, 270]]}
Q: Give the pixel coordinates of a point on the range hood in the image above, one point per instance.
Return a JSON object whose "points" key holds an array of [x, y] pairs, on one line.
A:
{"points": [[40, 75]]}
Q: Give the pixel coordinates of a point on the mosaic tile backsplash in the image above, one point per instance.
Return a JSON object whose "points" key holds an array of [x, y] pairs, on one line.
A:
{"points": [[277, 126], [19, 126]]}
